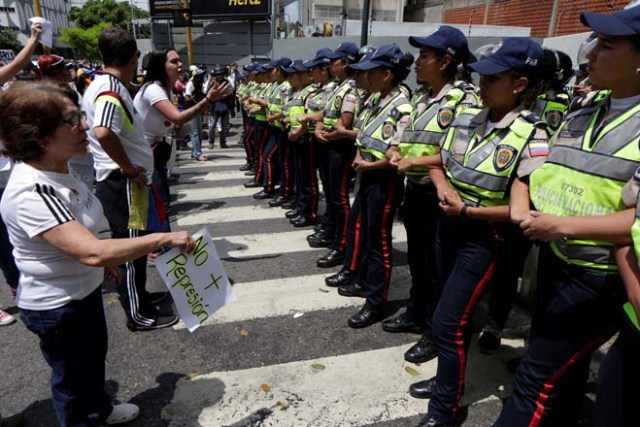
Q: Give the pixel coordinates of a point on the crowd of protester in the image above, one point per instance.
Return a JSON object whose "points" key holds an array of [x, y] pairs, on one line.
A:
{"points": [[484, 174]]}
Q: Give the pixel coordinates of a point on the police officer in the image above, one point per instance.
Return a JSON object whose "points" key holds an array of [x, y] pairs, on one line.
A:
{"points": [[435, 107], [551, 106], [306, 182], [272, 103], [321, 75], [580, 212], [340, 106], [256, 105], [381, 188], [353, 251], [485, 153]]}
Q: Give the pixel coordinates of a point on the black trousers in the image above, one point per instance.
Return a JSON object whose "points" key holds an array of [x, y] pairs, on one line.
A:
{"points": [[260, 139], [114, 193], [341, 156], [421, 213], [307, 191], [378, 198], [286, 164]]}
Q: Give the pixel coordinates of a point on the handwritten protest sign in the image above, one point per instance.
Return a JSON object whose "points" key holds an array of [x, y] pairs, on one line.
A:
{"points": [[197, 281]]}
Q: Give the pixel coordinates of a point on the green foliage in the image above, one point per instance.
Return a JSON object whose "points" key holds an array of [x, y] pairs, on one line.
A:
{"points": [[84, 41], [96, 12], [9, 40]]}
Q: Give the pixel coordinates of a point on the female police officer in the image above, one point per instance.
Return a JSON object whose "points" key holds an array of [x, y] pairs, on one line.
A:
{"points": [[580, 212], [440, 54], [484, 153], [381, 187]]}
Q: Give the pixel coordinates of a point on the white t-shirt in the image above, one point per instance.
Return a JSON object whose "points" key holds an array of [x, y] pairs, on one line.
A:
{"points": [[155, 124], [108, 103], [36, 201]]}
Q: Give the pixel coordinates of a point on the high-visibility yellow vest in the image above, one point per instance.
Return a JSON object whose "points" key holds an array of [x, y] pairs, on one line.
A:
{"points": [[261, 92], [380, 125], [318, 101], [422, 137], [333, 107], [482, 170], [587, 167], [295, 107], [275, 98], [635, 235], [551, 107]]}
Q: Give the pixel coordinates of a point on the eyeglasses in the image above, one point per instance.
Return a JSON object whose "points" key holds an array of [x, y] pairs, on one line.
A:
{"points": [[75, 119]]}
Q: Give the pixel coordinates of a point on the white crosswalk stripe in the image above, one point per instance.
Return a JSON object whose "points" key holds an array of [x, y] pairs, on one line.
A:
{"points": [[353, 389]]}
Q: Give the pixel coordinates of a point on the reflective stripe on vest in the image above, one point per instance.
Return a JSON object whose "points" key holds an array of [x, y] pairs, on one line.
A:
{"points": [[372, 139], [423, 136], [488, 167], [333, 107], [296, 105], [584, 175]]}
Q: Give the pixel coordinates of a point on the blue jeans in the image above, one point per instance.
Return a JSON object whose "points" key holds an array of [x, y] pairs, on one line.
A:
{"points": [[7, 263], [196, 136], [74, 341]]}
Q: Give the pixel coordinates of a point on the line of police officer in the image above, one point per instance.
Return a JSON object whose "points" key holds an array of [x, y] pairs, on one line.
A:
{"points": [[480, 181]]}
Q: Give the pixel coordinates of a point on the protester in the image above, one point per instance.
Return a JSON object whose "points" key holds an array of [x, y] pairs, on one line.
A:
{"points": [[53, 221], [159, 114], [194, 94], [123, 162]]}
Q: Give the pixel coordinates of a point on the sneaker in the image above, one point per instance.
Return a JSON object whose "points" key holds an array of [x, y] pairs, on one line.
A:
{"points": [[490, 340], [161, 322], [6, 319], [122, 413]]}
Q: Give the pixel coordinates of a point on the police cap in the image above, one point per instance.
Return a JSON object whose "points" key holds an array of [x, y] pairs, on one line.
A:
{"points": [[625, 22], [447, 39], [520, 54]]}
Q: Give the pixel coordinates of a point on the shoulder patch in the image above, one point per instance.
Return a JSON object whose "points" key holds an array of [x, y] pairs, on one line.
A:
{"points": [[538, 147], [387, 130], [445, 116], [554, 117], [504, 157]]}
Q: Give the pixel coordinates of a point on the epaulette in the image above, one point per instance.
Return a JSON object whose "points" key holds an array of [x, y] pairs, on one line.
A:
{"points": [[588, 100], [467, 87], [533, 119]]}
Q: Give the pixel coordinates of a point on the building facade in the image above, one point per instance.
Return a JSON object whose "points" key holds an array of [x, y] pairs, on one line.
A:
{"points": [[15, 14]]}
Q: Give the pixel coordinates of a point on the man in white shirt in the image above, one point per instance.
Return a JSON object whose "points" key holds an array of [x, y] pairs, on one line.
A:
{"points": [[123, 162]]}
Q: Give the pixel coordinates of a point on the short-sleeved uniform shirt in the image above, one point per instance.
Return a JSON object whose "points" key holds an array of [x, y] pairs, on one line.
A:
{"points": [[34, 202]]}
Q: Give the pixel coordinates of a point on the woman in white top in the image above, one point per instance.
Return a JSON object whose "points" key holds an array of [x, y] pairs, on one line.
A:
{"points": [[159, 114], [53, 220]]}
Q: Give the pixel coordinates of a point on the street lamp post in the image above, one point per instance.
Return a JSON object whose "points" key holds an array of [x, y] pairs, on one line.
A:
{"points": [[133, 24]]}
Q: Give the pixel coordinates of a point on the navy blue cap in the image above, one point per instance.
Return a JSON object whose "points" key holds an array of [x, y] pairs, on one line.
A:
{"points": [[513, 53], [346, 50], [259, 69], [447, 39], [365, 58], [321, 58], [281, 63], [625, 22], [296, 67], [388, 55]]}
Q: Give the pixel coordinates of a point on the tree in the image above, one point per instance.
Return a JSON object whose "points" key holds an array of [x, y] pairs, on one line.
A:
{"points": [[95, 12], [9, 40], [84, 41]]}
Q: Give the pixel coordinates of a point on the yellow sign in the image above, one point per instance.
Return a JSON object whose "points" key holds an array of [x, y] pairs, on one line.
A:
{"points": [[245, 2]]}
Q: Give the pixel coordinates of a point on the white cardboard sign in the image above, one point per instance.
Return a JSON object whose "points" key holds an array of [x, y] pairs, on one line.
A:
{"points": [[197, 281]]}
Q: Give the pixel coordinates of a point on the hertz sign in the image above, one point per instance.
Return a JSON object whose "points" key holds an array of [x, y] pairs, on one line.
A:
{"points": [[231, 8]]}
